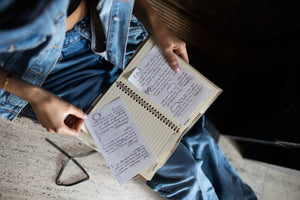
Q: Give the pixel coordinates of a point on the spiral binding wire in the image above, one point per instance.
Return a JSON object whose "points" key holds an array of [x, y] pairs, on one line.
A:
{"points": [[147, 106]]}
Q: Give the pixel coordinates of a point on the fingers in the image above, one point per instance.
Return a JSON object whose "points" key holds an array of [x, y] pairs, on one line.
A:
{"points": [[171, 59], [77, 112], [71, 125], [181, 51], [74, 122], [77, 126], [57, 115], [65, 130], [50, 130]]}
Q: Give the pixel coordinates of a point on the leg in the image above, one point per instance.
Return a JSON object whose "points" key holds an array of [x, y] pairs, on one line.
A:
{"points": [[198, 169], [182, 178], [81, 75]]}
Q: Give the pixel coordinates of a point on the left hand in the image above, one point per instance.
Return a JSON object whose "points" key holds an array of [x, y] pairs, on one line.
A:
{"points": [[169, 44], [167, 41]]}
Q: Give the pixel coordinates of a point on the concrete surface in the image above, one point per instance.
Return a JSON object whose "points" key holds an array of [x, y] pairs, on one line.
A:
{"points": [[29, 166]]}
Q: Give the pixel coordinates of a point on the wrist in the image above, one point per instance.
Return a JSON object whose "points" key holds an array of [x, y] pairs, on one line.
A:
{"points": [[155, 25], [148, 16], [6, 80], [22, 89], [33, 94]]}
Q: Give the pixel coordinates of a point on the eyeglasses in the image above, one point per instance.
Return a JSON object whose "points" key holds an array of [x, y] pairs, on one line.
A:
{"points": [[72, 158]]}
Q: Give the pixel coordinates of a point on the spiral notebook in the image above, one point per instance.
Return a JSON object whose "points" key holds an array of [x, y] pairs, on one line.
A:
{"points": [[162, 103]]}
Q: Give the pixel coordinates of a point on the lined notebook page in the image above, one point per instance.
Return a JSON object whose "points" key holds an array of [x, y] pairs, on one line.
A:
{"points": [[159, 136], [180, 94]]}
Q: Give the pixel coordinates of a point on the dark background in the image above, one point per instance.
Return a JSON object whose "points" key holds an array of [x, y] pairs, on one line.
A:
{"points": [[251, 49]]}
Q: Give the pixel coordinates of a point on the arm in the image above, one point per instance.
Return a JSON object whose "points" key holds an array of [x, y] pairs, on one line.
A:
{"points": [[55, 114], [168, 42]]}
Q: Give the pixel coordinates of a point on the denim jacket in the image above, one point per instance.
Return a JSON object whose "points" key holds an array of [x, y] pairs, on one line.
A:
{"points": [[32, 50]]}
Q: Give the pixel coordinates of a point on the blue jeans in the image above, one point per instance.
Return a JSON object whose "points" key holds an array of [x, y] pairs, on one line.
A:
{"points": [[198, 169], [81, 75]]}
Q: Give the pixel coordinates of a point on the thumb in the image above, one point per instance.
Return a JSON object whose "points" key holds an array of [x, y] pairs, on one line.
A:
{"points": [[78, 113], [69, 131]]}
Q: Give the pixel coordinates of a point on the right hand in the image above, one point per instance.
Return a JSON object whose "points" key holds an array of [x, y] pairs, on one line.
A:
{"points": [[57, 115]]}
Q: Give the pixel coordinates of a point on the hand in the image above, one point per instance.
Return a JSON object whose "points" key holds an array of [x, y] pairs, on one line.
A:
{"points": [[57, 115], [169, 44]]}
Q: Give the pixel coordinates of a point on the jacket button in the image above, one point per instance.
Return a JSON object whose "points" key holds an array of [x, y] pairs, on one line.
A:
{"points": [[116, 19], [11, 48]]}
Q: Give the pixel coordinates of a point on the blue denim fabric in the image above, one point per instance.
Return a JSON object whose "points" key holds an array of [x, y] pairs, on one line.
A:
{"points": [[80, 75], [115, 24], [198, 169], [32, 51]]}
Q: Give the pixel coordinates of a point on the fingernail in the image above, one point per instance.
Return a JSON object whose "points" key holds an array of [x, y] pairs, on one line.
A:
{"points": [[85, 116], [177, 69]]}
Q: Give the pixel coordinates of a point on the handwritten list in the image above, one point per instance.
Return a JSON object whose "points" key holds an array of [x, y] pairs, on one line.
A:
{"points": [[119, 140], [178, 93]]}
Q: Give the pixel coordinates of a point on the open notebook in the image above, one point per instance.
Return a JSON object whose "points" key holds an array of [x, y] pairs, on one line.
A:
{"points": [[162, 103]]}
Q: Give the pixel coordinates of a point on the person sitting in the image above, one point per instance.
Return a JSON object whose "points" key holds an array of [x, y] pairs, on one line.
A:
{"points": [[57, 56]]}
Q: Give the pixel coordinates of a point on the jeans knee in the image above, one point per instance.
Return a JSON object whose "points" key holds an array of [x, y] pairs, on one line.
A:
{"points": [[179, 177]]}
